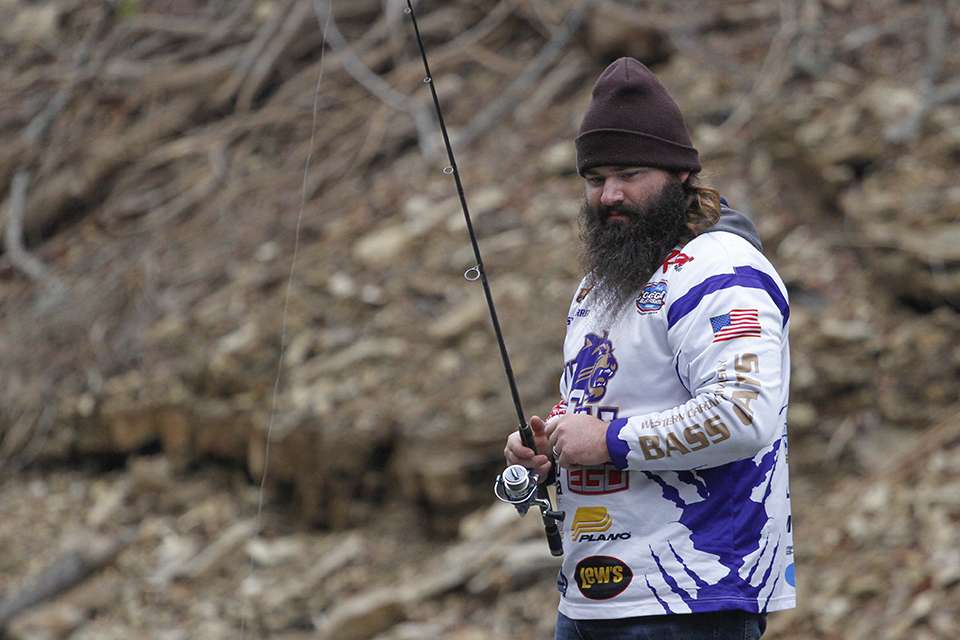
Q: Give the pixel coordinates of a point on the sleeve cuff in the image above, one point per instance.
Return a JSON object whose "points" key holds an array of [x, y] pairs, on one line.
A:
{"points": [[617, 448]]}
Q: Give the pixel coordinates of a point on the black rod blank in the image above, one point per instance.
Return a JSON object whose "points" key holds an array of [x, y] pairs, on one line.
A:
{"points": [[526, 433]]}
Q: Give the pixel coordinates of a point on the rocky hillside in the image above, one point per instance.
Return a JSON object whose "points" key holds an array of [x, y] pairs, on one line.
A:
{"points": [[231, 257]]}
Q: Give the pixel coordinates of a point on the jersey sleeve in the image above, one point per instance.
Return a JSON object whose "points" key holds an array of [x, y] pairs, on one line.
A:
{"points": [[559, 409], [727, 328]]}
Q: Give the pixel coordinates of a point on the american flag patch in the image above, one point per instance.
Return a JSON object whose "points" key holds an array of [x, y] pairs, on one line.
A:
{"points": [[738, 323]]}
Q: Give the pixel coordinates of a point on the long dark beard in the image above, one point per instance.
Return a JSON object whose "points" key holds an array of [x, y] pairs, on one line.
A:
{"points": [[621, 256]]}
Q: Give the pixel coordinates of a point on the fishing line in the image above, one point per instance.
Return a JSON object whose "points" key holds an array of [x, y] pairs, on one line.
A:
{"points": [[286, 301]]}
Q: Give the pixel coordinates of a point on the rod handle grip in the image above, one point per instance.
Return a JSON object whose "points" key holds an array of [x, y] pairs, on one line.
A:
{"points": [[553, 540], [550, 528]]}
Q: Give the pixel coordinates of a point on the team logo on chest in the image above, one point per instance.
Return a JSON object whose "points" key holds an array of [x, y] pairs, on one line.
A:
{"points": [[593, 368]]}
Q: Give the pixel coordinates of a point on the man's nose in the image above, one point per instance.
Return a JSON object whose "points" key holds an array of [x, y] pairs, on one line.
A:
{"points": [[612, 192]]}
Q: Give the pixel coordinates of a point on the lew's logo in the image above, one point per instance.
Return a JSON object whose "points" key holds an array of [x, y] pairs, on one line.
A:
{"points": [[590, 523], [597, 480], [602, 577]]}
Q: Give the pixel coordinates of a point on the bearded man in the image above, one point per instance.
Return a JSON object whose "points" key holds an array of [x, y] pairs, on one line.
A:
{"points": [[668, 446]]}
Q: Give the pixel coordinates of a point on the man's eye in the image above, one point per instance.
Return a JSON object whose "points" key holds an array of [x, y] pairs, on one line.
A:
{"points": [[595, 182]]}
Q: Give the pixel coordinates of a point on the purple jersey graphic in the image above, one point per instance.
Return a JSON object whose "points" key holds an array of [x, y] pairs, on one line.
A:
{"points": [[593, 368], [709, 533]]}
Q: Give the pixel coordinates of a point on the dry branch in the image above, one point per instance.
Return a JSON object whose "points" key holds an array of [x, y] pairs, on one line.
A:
{"points": [[252, 52], [169, 25], [343, 554], [209, 557], [370, 81], [290, 30], [13, 238], [86, 66], [932, 95], [571, 68], [522, 84], [772, 73], [74, 187], [67, 571], [360, 72], [492, 60], [24, 439]]}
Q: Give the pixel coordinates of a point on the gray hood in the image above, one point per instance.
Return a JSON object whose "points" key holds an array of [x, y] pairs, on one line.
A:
{"points": [[736, 223]]}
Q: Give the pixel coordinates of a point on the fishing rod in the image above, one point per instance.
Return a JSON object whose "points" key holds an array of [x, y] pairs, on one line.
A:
{"points": [[517, 485]]}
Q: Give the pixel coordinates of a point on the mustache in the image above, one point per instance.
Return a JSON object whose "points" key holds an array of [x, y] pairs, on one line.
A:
{"points": [[603, 211]]}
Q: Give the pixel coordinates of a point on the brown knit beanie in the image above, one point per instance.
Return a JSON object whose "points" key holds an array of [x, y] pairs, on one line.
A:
{"points": [[632, 120]]}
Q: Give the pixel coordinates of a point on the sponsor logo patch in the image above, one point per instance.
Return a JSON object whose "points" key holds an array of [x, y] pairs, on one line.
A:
{"points": [[676, 259], [590, 520], [602, 577], [652, 297], [590, 524], [597, 480], [682, 442], [583, 293], [736, 323]]}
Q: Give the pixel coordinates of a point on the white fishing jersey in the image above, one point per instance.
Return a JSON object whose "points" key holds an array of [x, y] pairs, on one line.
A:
{"points": [[693, 514]]}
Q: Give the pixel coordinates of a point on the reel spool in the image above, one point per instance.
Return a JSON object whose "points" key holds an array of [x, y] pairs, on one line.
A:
{"points": [[517, 485]]}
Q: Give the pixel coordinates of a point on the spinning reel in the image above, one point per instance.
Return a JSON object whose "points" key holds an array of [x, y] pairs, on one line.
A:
{"points": [[518, 485]]}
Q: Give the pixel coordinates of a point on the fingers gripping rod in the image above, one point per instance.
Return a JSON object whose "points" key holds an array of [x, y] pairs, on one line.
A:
{"points": [[478, 272]]}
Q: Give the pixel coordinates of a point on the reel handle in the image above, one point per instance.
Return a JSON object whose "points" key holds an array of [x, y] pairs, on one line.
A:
{"points": [[554, 541]]}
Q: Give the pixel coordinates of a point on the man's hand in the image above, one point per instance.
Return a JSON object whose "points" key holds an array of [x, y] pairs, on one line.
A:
{"points": [[578, 439], [516, 453]]}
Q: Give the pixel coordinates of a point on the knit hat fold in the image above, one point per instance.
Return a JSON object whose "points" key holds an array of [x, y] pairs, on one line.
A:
{"points": [[632, 120]]}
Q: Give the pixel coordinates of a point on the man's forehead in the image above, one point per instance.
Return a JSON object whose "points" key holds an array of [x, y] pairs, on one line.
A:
{"points": [[608, 169]]}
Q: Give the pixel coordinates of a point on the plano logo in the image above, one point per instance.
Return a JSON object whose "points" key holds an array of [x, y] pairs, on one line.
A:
{"points": [[597, 480], [591, 523], [602, 577], [652, 297], [590, 520]]}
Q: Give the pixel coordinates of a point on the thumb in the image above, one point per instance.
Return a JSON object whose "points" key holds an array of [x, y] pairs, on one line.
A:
{"points": [[538, 425]]}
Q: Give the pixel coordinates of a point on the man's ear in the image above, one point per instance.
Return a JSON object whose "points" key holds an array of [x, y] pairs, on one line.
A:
{"points": [[683, 175]]}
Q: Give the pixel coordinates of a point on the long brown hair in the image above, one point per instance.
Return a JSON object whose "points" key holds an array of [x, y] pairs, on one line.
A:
{"points": [[704, 209]]}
